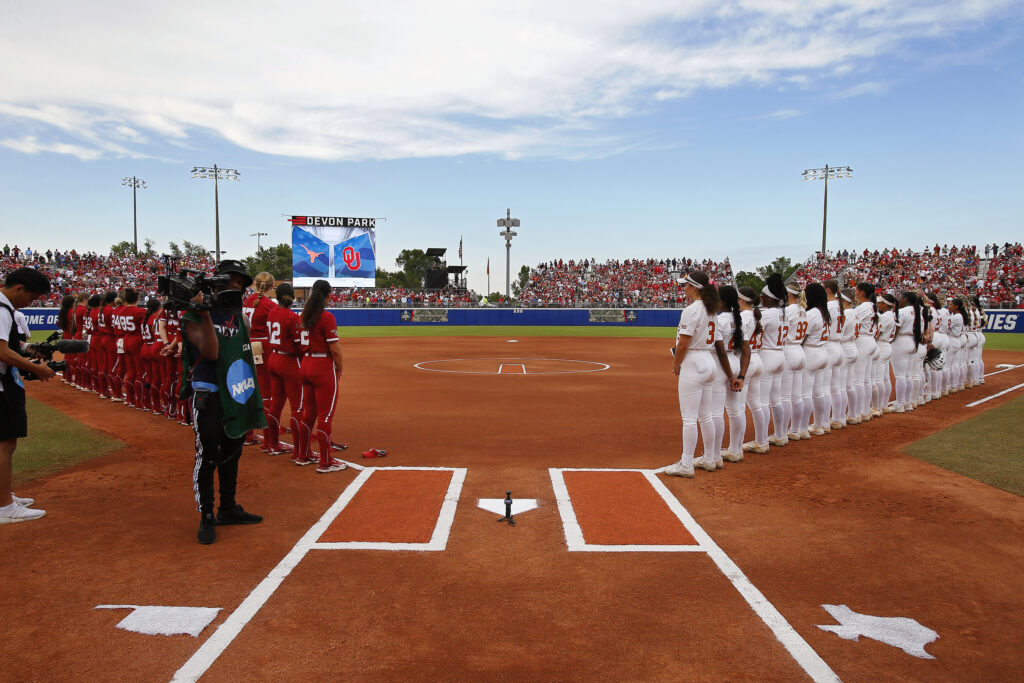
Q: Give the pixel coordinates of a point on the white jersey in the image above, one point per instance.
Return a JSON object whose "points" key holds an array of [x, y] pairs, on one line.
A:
{"points": [[834, 322], [864, 315], [817, 330], [886, 327], [905, 323], [796, 320], [847, 324], [956, 325], [941, 320], [694, 322], [749, 325], [775, 329]]}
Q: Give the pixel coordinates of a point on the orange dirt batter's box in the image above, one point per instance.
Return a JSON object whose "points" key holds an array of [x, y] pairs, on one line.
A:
{"points": [[622, 508], [393, 506]]}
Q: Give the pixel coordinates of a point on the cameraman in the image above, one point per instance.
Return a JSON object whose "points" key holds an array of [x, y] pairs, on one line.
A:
{"points": [[21, 288], [218, 368]]}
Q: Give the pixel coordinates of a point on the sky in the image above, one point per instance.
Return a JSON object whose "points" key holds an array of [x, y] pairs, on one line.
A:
{"points": [[647, 129]]}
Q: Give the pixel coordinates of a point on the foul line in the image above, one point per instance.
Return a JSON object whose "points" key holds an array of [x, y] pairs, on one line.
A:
{"points": [[989, 398], [206, 655], [794, 643]]}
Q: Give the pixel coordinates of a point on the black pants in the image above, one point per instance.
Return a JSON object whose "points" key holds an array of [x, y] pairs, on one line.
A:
{"points": [[214, 451]]}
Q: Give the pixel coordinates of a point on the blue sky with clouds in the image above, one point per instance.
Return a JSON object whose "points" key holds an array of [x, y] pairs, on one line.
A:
{"points": [[612, 130]]}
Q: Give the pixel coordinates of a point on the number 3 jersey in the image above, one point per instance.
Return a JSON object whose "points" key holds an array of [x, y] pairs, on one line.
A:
{"points": [[694, 322]]}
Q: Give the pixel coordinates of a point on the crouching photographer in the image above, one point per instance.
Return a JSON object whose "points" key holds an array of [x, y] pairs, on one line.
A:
{"points": [[21, 288], [220, 375]]}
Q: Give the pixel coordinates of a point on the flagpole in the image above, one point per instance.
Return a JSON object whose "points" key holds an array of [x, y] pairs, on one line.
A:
{"points": [[488, 277]]}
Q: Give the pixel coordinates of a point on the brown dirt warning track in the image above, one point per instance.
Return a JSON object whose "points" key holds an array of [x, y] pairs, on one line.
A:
{"points": [[841, 519]]}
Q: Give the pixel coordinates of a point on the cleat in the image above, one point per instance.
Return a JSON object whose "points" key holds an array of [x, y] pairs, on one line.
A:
{"points": [[778, 443], [678, 469], [730, 456], [302, 462], [817, 431], [338, 446], [332, 465], [705, 465]]}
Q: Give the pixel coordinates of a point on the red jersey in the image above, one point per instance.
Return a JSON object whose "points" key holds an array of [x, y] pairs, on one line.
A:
{"points": [[92, 322], [148, 331], [173, 327], [81, 313], [132, 318], [104, 321], [285, 330], [256, 309], [324, 332], [117, 320]]}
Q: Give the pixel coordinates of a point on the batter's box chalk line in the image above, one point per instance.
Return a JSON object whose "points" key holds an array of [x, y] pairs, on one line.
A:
{"points": [[157, 620], [902, 632]]}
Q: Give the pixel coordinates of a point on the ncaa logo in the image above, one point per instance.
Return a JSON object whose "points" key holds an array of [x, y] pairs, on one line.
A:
{"points": [[241, 383]]}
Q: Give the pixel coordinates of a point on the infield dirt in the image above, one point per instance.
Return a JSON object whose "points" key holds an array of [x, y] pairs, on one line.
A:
{"points": [[840, 519]]}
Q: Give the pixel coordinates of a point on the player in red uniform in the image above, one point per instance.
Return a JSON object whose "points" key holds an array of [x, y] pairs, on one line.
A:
{"points": [[256, 308], [282, 359], [80, 363], [91, 379], [98, 343], [171, 353], [108, 352], [146, 386], [118, 368], [132, 317], [321, 372], [66, 325]]}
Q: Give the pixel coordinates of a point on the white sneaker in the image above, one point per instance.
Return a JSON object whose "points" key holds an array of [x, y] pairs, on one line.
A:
{"points": [[14, 513], [792, 436], [731, 456], [27, 502], [678, 469], [853, 420], [778, 443], [707, 465], [816, 431]]}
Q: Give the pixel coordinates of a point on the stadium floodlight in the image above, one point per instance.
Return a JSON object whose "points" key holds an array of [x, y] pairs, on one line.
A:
{"points": [[835, 173], [135, 184], [257, 235], [508, 233], [217, 174]]}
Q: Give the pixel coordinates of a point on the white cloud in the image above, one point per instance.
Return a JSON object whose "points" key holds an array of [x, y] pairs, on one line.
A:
{"points": [[780, 115], [360, 79]]}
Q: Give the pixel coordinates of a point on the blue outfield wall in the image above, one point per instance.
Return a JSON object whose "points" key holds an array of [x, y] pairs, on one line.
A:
{"points": [[999, 320]]}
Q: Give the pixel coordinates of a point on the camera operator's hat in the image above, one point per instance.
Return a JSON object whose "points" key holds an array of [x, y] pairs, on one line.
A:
{"points": [[229, 266]]}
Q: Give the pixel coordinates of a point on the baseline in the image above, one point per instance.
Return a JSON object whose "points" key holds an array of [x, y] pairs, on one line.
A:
{"points": [[989, 398], [1015, 367], [798, 648], [200, 662]]}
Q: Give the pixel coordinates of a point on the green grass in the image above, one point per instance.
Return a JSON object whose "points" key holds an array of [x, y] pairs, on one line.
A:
{"points": [[55, 442], [1004, 341], [981, 448], [505, 331]]}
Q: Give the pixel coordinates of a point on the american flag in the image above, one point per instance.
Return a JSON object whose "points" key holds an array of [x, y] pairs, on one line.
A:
{"points": [[488, 266], [460, 247]]}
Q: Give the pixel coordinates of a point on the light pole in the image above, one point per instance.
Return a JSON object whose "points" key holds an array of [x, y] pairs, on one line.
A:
{"points": [[257, 235], [217, 174], [135, 184], [834, 172], [508, 223]]}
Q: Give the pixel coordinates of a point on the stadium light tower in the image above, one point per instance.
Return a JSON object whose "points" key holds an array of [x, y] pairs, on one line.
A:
{"points": [[835, 173], [217, 174], [257, 235], [135, 184], [508, 233]]}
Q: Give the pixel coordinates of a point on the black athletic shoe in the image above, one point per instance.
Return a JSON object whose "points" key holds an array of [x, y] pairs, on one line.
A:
{"points": [[207, 529], [236, 515]]}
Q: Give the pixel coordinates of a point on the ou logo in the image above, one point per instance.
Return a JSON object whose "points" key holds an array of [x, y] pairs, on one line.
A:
{"points": [[351, 258]]}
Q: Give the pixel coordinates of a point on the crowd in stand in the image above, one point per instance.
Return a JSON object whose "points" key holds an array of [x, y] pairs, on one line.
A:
{"points": [[1003, 284], [633, 282], [401, 296]]}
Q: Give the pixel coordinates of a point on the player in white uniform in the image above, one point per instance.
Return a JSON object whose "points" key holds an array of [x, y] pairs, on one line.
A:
{"points": [[866, 319], [694, 364], [758, 405], [937, 373], [981, 322], [848, 342], [904, 349], [816, 356], [958, 371], [836, 381], [773, 340], [917, 366], [793, 371], [732, 345], [884, 334]]}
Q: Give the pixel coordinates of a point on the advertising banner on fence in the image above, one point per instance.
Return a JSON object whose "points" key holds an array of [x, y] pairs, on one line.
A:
{"points": [[1003, 320], [338, 249]]}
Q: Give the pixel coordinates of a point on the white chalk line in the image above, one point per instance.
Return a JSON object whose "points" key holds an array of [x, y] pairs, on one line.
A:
{"points": [[989, 398], [207, 654], [502, 366], [798, 648], [602, 366]]}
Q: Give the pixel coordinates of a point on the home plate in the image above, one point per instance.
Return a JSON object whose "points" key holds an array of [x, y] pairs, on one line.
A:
{"points": [[512, 341], [497, 505], [155, 620]]}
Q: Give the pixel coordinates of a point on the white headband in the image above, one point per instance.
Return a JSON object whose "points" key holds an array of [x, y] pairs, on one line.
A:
{"points": [[690, 280], [846, 299], [795, 291], [745, 298], [768, 293]]}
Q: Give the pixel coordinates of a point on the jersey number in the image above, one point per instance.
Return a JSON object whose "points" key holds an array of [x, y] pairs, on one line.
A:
{"points": [[275, 334], [801, 329], [783, 333], [711, 332]]}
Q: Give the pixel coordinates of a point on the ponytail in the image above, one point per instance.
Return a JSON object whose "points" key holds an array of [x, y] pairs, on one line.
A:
{"points": [[868, 290], [730, 297], [775, 285], [817, 298], [314, 307], [708, 293], [285, 295], [755, 302], [263, 283]]}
